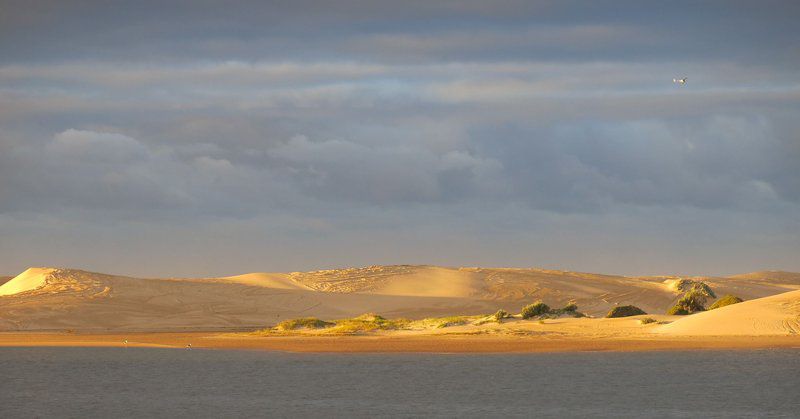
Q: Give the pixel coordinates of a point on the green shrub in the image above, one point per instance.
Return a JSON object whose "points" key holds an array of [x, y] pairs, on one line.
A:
{"points": [[303, 323], [693, 301], [677, 311], [570, 308], [703, 289], [625, 311], [683, 284], [647, 320], [726, 301], [500, 315], [536, 309]]}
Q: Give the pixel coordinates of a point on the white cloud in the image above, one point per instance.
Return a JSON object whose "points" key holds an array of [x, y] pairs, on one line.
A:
{"points": [[97, 147]]}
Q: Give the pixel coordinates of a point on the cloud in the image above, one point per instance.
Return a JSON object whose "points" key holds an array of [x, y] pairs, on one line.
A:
{"points": [[502, 127], [96, 147], [387, 174]]}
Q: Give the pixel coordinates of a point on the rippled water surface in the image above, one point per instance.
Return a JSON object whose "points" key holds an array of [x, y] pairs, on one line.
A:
{"points": [[111, 382]]}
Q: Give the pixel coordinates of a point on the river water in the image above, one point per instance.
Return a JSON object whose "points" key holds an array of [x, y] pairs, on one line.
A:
{"points": [[139, 382]]}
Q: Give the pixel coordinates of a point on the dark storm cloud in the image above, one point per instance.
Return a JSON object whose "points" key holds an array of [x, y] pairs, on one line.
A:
{"points": [[497, 125], [419, 30]]}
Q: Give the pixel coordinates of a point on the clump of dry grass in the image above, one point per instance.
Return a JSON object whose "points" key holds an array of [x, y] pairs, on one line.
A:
{"points": [[302, 323], [367, 323], [442, 322]]}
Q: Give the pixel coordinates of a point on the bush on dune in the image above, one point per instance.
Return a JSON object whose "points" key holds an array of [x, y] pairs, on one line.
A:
{"points": [[703, 289], [725, 301], [677, 310], [500, 315], [625, 311], [570, 308], [536, 309], [693, 301], [540, 309]]}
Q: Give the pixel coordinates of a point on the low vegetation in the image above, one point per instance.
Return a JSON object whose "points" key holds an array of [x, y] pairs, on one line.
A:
{"points": [[693, 300], [364, 323], [570, 308], [725, 301], [625, 311], [647, 320], [543, 311], [442, 322], [500, 315], [536, 309], [703, 289], [372, 322], [302, 323], [367, 323]]}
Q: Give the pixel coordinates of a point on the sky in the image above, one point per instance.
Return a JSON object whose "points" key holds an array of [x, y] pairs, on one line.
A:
{"points": [[210, 138]]}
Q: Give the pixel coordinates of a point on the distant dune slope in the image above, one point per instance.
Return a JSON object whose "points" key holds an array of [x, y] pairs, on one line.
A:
{"points": [[4, 279], [773, 315], [46, 298], [29, 280]]}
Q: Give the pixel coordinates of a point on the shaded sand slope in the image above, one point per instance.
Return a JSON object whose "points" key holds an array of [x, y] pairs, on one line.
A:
{"points": [[4, 279], [60, 299], [774, 315]]}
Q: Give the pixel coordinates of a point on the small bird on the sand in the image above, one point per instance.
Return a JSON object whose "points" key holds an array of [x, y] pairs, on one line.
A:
{"points": [[680, 81], [189, 347]]}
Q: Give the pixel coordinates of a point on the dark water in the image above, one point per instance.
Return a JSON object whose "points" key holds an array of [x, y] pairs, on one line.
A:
{"points": [[112, 383]]}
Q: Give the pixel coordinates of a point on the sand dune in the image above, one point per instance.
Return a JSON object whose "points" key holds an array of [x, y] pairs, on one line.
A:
{"points": [[265, 280], [31, 279], [774, 315], [58, 299]]}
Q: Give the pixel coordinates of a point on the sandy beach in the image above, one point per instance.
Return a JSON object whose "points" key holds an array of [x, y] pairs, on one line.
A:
{"points": [[422, 344]]}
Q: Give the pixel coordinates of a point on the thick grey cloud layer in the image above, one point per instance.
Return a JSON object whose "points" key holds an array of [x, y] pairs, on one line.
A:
{"points": [[197, 139]]}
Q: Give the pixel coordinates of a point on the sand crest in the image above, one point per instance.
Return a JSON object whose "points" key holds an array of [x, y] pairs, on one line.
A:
{"points": [[774, 315], [31, 279]]}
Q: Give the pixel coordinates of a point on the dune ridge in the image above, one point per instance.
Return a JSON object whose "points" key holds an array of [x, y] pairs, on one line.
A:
{"points": [[29, 280], [773, 315], [58, 299]]}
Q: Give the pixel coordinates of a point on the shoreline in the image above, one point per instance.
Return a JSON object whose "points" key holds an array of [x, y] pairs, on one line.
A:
{"points": [[451, 343]]}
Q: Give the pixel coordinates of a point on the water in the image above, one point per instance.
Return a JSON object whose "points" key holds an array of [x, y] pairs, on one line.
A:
{"points": [[134, 382]]}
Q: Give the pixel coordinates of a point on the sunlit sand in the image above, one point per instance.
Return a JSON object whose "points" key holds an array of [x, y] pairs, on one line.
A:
{"points": [[426, 308]]}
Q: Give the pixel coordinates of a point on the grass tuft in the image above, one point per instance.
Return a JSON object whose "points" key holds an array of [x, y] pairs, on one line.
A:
{"points": [[302, 323]]}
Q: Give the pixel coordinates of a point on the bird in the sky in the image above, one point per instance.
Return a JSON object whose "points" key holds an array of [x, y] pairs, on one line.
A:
{"points": [[680, 81]]}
